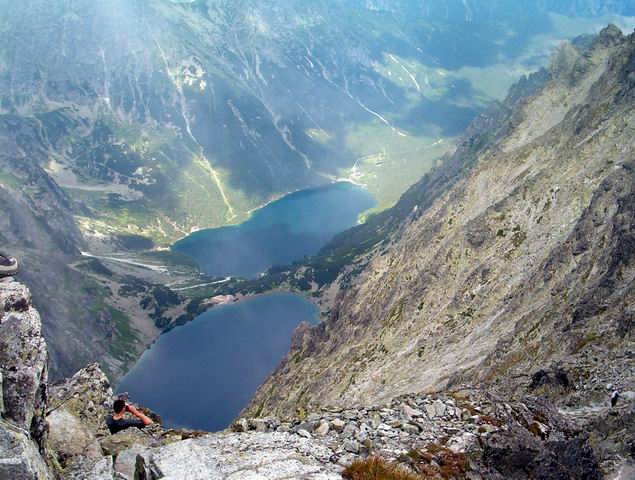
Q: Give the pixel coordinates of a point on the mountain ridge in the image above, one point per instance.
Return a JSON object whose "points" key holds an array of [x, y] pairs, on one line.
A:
{"points": [[523, 265]]}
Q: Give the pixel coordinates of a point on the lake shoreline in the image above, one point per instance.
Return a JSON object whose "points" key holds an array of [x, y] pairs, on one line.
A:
{"points": [[251, 211], [224, 340]]}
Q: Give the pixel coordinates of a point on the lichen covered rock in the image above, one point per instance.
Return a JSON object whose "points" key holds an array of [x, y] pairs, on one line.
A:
{"points": [[69, 439], [23, 359], [91, 469], [19, 456]]}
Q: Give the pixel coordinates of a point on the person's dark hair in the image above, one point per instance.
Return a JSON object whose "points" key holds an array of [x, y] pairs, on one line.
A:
{"points": [[119, 406]]}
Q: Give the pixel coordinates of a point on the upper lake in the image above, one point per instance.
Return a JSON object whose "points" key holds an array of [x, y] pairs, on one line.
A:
{"points": [[297, 225]]}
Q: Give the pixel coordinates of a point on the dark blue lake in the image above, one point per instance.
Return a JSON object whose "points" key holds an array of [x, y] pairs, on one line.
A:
{"points": [[286, 230], [203, 374]]}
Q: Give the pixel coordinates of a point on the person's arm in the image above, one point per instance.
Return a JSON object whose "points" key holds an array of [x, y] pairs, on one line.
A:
{"points": [[145, 419]]}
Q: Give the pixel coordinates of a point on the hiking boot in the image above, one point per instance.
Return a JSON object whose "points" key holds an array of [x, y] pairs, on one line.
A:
{"points": [[8, 266]]}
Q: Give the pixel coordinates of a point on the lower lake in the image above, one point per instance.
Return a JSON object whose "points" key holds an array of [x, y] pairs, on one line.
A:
{"points": [[297, 225], [201, 375]]}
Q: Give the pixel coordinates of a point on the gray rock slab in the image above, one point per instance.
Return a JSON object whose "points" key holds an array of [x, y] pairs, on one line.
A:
{"points": [[19, 456], [88, 469], [245, 456], [69, 438], [128, 461], [23, 355]]}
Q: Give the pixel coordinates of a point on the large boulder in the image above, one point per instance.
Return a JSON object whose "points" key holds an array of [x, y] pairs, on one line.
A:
{"points": [[23, 392], [87, 396], [19, 456], [126, 439], [131, 464], [69, 439], [91, 469], [244, 456]]}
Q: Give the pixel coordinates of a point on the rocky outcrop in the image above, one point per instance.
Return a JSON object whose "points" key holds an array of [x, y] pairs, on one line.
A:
{"points": [[481, 433], [23, 374], [78, 445], [486, 434], [23, 357], [87, 396], [20, 458]]}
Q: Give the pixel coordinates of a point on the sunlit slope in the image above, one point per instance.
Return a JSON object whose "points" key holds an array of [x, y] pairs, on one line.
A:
{"points": [[160, 117]]}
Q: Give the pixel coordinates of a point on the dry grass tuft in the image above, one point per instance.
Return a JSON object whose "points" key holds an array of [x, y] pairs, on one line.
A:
{"points": [[439, 463], [377, 468]]}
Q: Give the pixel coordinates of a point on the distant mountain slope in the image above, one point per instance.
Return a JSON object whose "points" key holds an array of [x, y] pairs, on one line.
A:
{"points": [[158, 117], [480, 9], [522, 268]]}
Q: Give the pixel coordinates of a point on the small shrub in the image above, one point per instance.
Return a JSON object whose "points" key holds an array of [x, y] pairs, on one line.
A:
{"points": [[437, 462], [376, 468], [490, 420]]}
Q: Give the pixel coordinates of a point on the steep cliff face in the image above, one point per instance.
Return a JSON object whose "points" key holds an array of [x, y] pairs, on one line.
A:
{"points": [[525, 263]]}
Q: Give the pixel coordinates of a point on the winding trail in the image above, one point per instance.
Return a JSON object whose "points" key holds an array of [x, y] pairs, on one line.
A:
{"points": [[180, 289]]}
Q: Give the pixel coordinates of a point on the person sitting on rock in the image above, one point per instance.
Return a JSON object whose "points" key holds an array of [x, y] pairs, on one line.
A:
{"points": [[8, 266], [116, 422]]}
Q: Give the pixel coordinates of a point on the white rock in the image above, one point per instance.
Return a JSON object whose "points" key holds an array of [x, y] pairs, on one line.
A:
{"points": [[303, 433], [243, 424], [351, 446], [19, 457], [245, 456], [410, 428], [376, 421], [439, 408], [628, 395], [338, 425], [411, 413], [69, 438], [127, 461], [87, 469], [349, 430], [322, 429], [463, 442]]}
